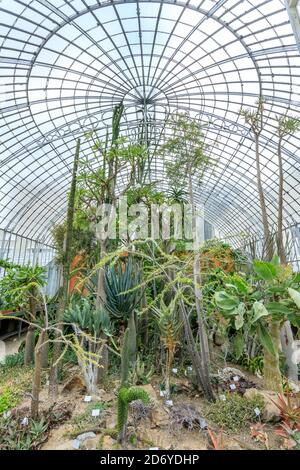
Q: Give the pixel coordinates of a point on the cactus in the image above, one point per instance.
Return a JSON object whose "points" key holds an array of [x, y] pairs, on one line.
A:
{"points": [[139, 375], [125, 360], [125, 397]]}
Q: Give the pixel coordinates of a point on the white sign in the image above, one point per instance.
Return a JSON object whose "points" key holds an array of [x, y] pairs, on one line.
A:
{"points": [[232, 387], [169, 402], [95, 413], [87, 398], [76, 444]]}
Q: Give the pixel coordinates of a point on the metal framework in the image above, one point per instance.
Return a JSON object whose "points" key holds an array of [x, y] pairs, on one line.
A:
{"points": [[65, 63]]}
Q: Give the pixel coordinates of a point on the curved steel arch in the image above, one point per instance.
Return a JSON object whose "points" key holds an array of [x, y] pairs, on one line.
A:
{"points": [[58, 72]]}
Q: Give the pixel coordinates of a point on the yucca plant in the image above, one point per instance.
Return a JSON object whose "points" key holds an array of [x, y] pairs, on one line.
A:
{"points": [[170, 328], [88, 325]]}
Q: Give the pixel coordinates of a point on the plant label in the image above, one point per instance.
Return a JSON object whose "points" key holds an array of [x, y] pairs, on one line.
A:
{"points": [[222, 397], [76, 444], [236, 378], [87, 398], [153, 448], [163, 393], [174, 371], [25, 421], [189, 369], [232, 387], [95, 413], [169, 402], [6, 414], [257, 411]]}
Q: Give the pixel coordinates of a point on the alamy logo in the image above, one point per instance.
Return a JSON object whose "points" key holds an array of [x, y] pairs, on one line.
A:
{"points": [[141, 221]]}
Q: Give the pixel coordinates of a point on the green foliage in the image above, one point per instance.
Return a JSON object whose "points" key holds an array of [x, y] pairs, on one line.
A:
{"points": [[89, 320], [7, 400], [234, 413], [84, 421], [141, 376], [121, 281], [13, 360], [16, 436], [187, 149], [21, 283], [125, 397]]}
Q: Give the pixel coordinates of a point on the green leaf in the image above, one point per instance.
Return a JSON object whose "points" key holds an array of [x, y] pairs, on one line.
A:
{"points": [[295, 295], [238, 344], [265, 270], [226, 301], [259, 311], [265, 339], [278, 308], [239, 321]]}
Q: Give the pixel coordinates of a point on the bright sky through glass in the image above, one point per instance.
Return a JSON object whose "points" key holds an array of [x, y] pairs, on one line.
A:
{"points": [[65, 64]]}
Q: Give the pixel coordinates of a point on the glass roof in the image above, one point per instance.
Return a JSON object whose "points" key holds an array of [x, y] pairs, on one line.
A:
{"points": [[64, 64]]}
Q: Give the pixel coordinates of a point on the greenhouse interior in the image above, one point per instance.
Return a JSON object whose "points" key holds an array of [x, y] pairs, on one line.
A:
{"points": [[149, 225]]}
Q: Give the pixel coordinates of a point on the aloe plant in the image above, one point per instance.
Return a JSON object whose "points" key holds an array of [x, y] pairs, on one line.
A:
{"points": [[89, 325]]}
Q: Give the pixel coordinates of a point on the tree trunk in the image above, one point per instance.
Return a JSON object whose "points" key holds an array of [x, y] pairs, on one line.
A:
{"points": [[269, 248], [287, 339], [272, 374], [203, 354], [280, 244], [53, 383], [100, 303], [36, 383], [45, 352], [30, 336]]}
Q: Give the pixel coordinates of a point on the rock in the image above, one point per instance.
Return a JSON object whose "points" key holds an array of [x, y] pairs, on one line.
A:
{"points": [[228, 372], [76, 383], [103, 396], [85, 436], [90, 444], [159, 417], [271, 412], [108, 443], [111, 421]]}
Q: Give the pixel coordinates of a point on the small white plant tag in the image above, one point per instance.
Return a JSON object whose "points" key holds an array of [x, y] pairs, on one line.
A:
{"points": [[257, 411], [87, 398], [232, 387], [25, 421], [163, 393], [222, 397], [236, 378], [174, 370], [76, 444], [95, 413], [169, 402], [153, 448], [6, 414]]}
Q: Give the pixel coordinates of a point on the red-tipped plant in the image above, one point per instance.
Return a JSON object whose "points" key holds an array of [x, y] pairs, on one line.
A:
{"points": [[289, 413], [217, 440]]}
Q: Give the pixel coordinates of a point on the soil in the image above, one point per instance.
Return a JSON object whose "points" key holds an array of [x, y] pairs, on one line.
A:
{"points": [[151, 432]]}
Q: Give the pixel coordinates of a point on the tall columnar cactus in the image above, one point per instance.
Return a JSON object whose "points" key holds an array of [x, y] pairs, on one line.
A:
{"points": [[125, 360], [125, 397]]}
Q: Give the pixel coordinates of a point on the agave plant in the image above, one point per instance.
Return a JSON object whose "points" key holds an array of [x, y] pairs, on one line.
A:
{"points": [[120, 280], [123, 296]]}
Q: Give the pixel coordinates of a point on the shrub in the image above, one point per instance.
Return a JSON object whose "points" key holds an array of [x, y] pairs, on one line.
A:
{"points": [[235, 412], [7, 400], [13, 360]]}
